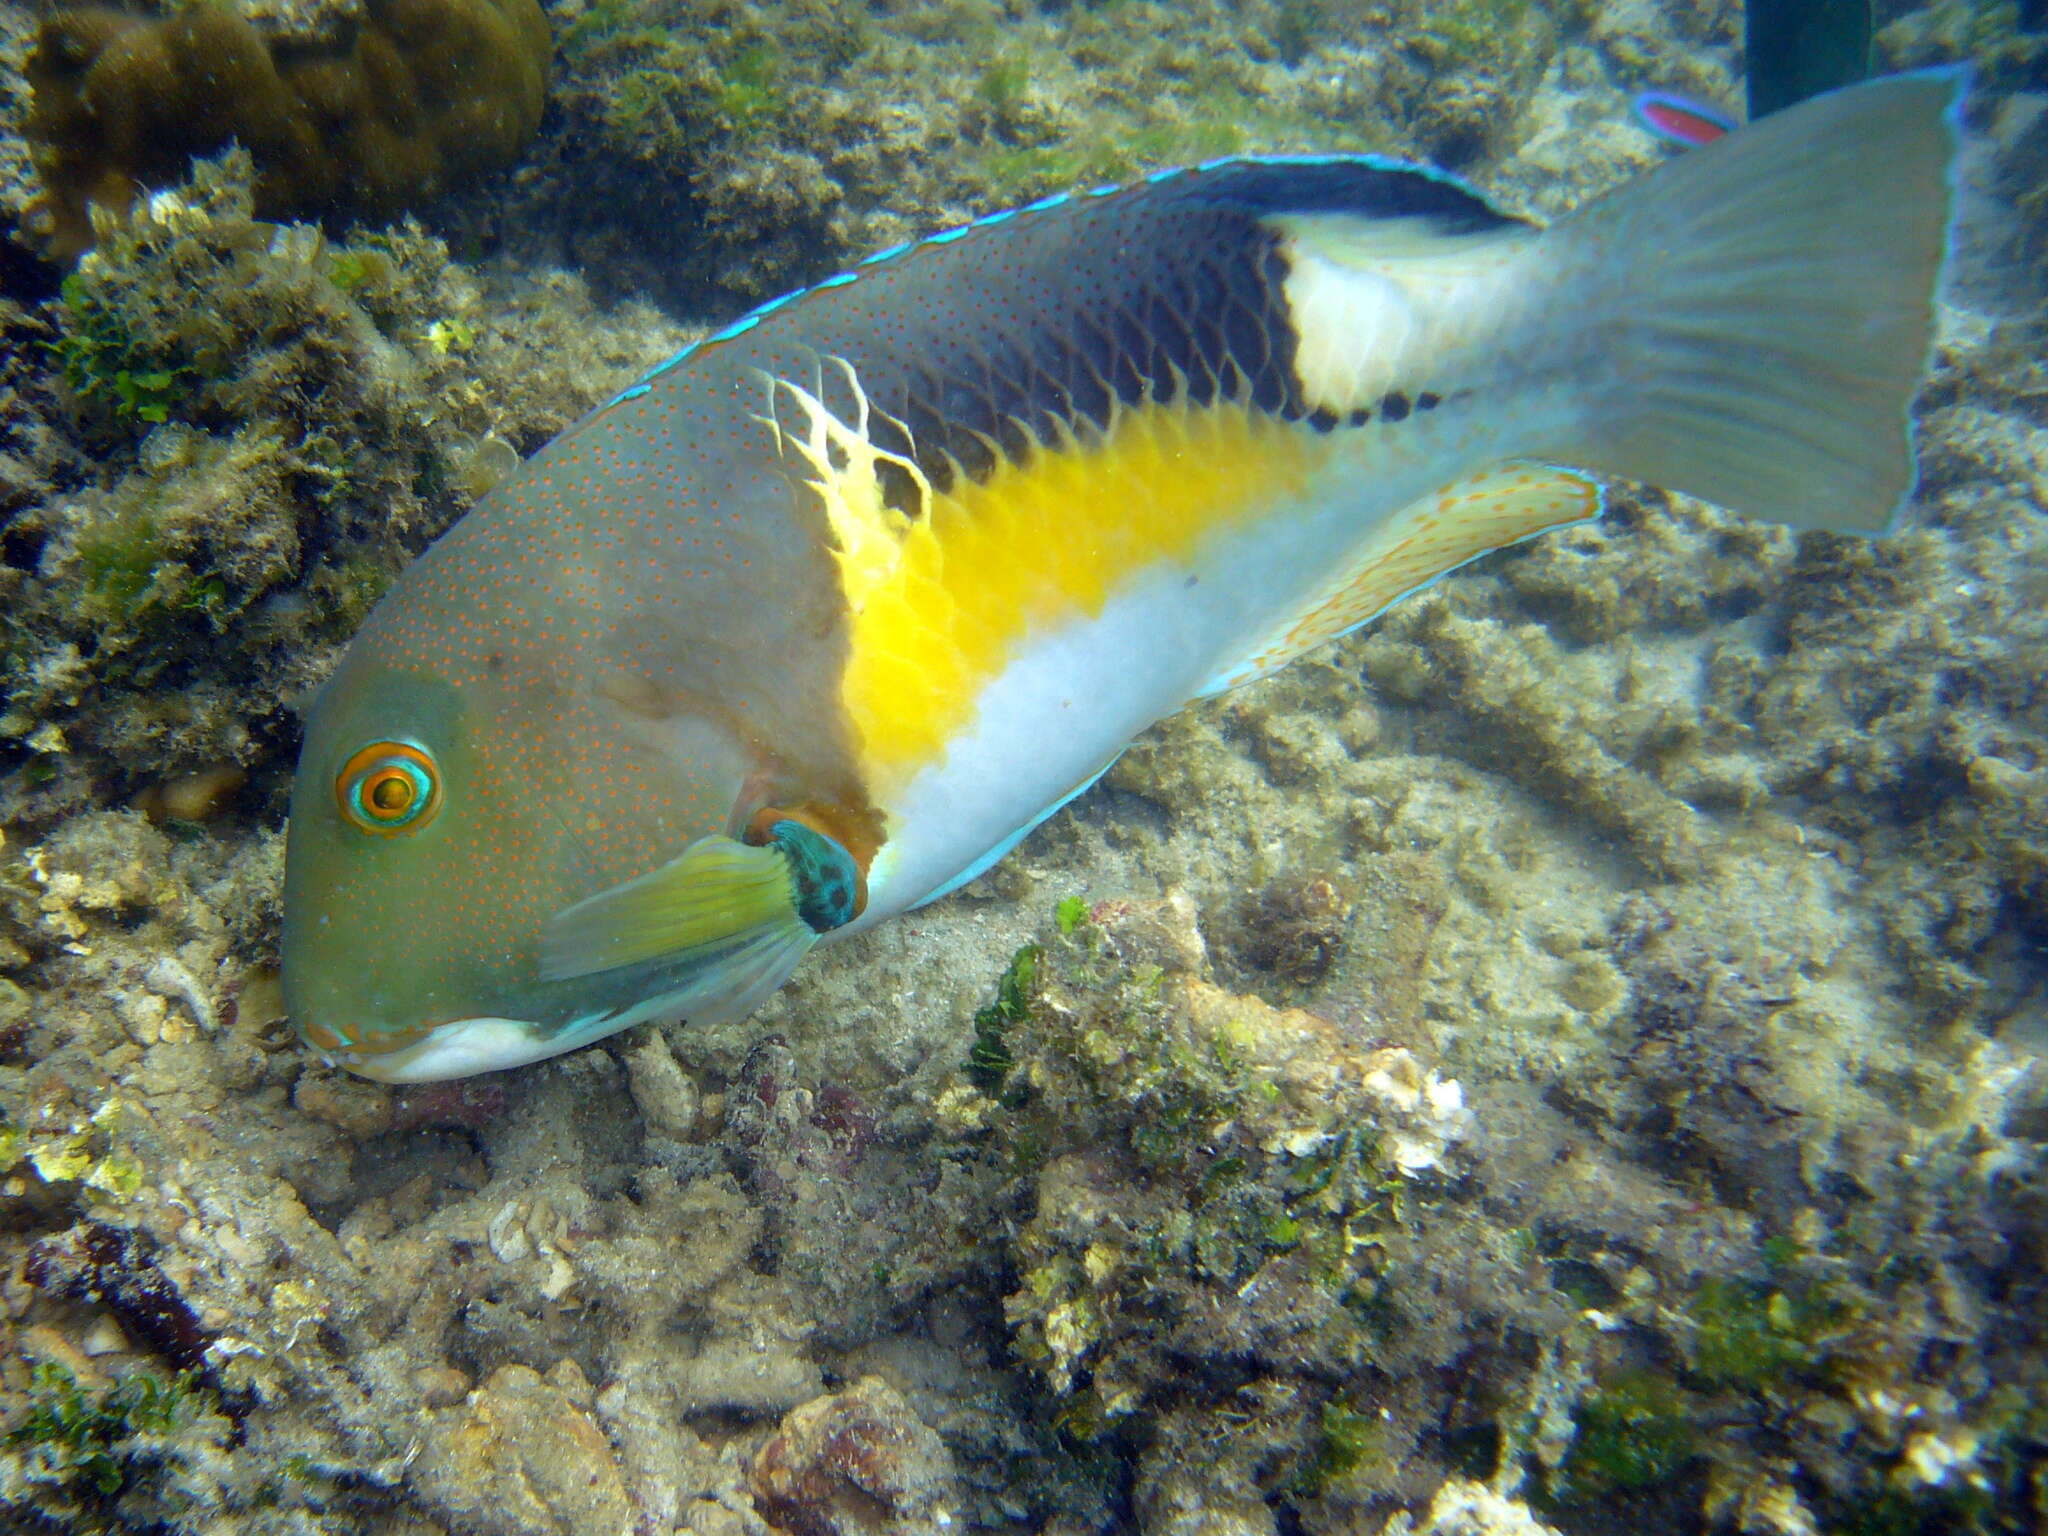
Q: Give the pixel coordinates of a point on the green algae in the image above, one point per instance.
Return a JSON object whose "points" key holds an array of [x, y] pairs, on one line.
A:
{"points": [[106, 364], [991, 1058], [261, 464], [1181, 1109], [88, 1152], [79, 1442], [750, 94], [119, 561], [1348, 1438], [1468, 30], [1634, 1432], [1751, 1334]]}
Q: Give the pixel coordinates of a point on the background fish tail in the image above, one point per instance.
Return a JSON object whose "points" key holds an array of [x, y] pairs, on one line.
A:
{"points": [[1776, 295]]}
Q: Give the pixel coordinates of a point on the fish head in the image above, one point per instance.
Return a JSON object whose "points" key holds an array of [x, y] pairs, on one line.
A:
{"points": [[452, 800]]}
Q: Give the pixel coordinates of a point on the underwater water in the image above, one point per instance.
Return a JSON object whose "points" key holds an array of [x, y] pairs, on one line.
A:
{"points": [[1565, 1058]]}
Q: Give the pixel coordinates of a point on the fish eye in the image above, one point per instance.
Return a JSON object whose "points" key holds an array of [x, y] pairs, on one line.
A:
{"points": [[389, 787]]}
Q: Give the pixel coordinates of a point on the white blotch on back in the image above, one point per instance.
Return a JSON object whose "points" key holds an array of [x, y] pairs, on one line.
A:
{"points": [[1384, 305]]}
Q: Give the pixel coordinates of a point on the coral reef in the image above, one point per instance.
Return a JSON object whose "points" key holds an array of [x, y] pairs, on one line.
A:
{"points": [[381, 114], [1567, 1059], [1288, 1266]]}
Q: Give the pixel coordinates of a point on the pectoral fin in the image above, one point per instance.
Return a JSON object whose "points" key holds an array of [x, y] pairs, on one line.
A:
{"points": [[718, 902]]}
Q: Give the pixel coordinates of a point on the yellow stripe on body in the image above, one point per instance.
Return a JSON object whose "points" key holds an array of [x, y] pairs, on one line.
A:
{"points": [[940, 603]]}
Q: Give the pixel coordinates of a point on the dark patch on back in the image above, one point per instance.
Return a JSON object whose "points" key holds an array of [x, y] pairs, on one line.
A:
{"points": [[1041, 326]]}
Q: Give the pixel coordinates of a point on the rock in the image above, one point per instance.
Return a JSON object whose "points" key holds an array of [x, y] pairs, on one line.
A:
{"points": [[666, 1095], [1466, 1508], [356, 1107], [523, 1458], [758, 1374], [855, 1463], [440, 1386]]}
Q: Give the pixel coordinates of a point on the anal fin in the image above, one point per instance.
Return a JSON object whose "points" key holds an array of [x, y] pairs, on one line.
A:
{"points": [[1406, 552]]}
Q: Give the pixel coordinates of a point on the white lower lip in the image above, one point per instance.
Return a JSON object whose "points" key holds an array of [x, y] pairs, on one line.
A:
{"points": [[461, 1049], [465, 1047]]}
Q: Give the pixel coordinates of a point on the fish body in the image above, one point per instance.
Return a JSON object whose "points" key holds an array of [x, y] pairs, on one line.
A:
{"points": [[819, 618], [1681, 120]]}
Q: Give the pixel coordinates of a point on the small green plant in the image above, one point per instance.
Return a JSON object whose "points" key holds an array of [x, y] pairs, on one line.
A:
{"points": [[1003, 83], [1348, 1437], [352, 269], [990, 1059], [601, 23], [119, 560], [144, 396], [1070, 914], [1751, 1334], [81, 1439], [1468, 30]]}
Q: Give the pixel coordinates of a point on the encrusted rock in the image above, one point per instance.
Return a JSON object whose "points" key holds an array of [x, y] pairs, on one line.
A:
{"points": [[856, 1463], [355, 1106], [523, 1456], [667, 1097]]}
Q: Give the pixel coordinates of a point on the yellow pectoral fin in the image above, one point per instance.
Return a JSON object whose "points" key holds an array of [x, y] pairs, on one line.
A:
{"points": [[714, 897], [716, 901], [1424, 540]]}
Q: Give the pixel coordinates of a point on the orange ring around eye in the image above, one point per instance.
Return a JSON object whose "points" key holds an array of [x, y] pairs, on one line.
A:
{"points": [[389, 787]]}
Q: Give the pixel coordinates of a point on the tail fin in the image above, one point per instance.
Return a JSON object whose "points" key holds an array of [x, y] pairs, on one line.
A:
{"points": [[1777, 295]]}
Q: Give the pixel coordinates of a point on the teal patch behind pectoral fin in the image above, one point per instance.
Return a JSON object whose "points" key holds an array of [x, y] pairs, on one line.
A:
{"points": [[708, 905], [826, 880]]}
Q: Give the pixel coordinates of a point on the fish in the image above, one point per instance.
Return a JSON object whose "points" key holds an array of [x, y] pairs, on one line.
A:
{"points": [[818, 619], [1681, 120], [1794, 49]]}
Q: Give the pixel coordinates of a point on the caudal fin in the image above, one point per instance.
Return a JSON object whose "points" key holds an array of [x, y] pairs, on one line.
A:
{"points": [[1776, 305]]}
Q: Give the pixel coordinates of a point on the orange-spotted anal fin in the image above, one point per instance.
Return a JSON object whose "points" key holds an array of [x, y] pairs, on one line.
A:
{"points": [[1406, 552]]}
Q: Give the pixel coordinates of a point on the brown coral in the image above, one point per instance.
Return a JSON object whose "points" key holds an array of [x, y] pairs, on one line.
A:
{"points": [[422, 95]]}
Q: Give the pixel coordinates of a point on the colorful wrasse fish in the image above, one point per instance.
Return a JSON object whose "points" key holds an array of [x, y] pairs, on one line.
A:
{"points": [[1680, 120], [817, 620]]}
